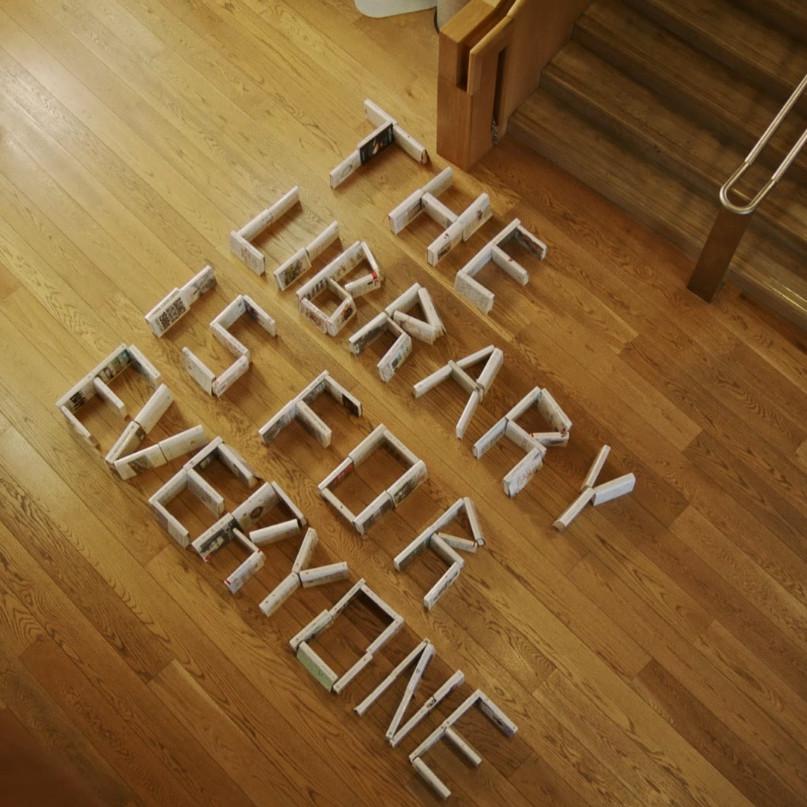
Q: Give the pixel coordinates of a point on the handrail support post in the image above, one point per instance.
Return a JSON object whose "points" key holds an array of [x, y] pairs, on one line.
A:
{"points": [[717, 253]]}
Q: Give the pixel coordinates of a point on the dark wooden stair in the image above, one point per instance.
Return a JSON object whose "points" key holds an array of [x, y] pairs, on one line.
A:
{"points": [[654, 103], [733, 35], [789, 16]]}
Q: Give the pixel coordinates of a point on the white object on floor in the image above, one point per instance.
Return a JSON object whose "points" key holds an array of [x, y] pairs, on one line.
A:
{"points": [[311, 660], [299, 263], [388, 499], [397, 319], [446, 729], [420, 656], [127, 465], [594, 494], [465, 281], [445, 546], [268, 496], [298, 408], [389, 8], [217, 385], [608, 491], [534, 445], [329, 278], [189, 478], [475, 387], [178, 302], [301, 575], [386, 133], [96, 383], [456, 226], [241, 240], [244, 571]]}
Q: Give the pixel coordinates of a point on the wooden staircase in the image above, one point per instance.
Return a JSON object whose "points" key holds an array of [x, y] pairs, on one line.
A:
{"points": [[654, 103]]}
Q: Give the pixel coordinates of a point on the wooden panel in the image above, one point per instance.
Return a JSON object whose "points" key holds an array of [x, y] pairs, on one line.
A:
{"points": [[464, 112], [491, 57], [539, 31]]}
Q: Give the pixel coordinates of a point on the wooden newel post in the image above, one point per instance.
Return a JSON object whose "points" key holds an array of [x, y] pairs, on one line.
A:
{"points": [[468, 81], [718, 251]]}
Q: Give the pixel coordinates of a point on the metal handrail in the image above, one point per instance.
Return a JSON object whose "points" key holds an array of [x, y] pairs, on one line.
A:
{"points": [[744, 210]]}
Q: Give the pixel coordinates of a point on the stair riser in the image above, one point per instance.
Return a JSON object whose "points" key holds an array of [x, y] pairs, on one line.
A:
{"points": [[756, 289], [614, 111], [768, 273], [628, 135], [557, 152], [783, 302]]}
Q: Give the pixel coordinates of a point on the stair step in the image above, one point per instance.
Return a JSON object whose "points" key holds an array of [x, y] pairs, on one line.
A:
{"points": [[640, 119], [765, 271], [691, 82], [763, 55], [789, 16], [654, 198], [773, 287]]}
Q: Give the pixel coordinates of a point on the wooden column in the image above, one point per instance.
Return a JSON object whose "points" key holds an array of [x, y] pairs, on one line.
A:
{"points": [[465, 109], [491, 56]]}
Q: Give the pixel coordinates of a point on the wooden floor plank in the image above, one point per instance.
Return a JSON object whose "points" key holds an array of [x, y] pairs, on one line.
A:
{"points": [[641, 783], [754, 678], [134, 585], [94, 664], [706, 676], [36, 720], [19, 628], [257, 774], [713, 739], [766, 594], [131, 758], [627, 661], [121, 627], [28, 776]]}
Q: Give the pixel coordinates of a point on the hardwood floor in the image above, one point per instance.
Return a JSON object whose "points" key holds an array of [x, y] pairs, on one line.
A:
{"points": [[654, 653]]}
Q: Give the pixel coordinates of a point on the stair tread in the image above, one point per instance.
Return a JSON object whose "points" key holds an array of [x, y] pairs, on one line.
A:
{"points": [[549, 126], [789, 15], [698, 86], [657, 199], [724, 30], [631, 112]]}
